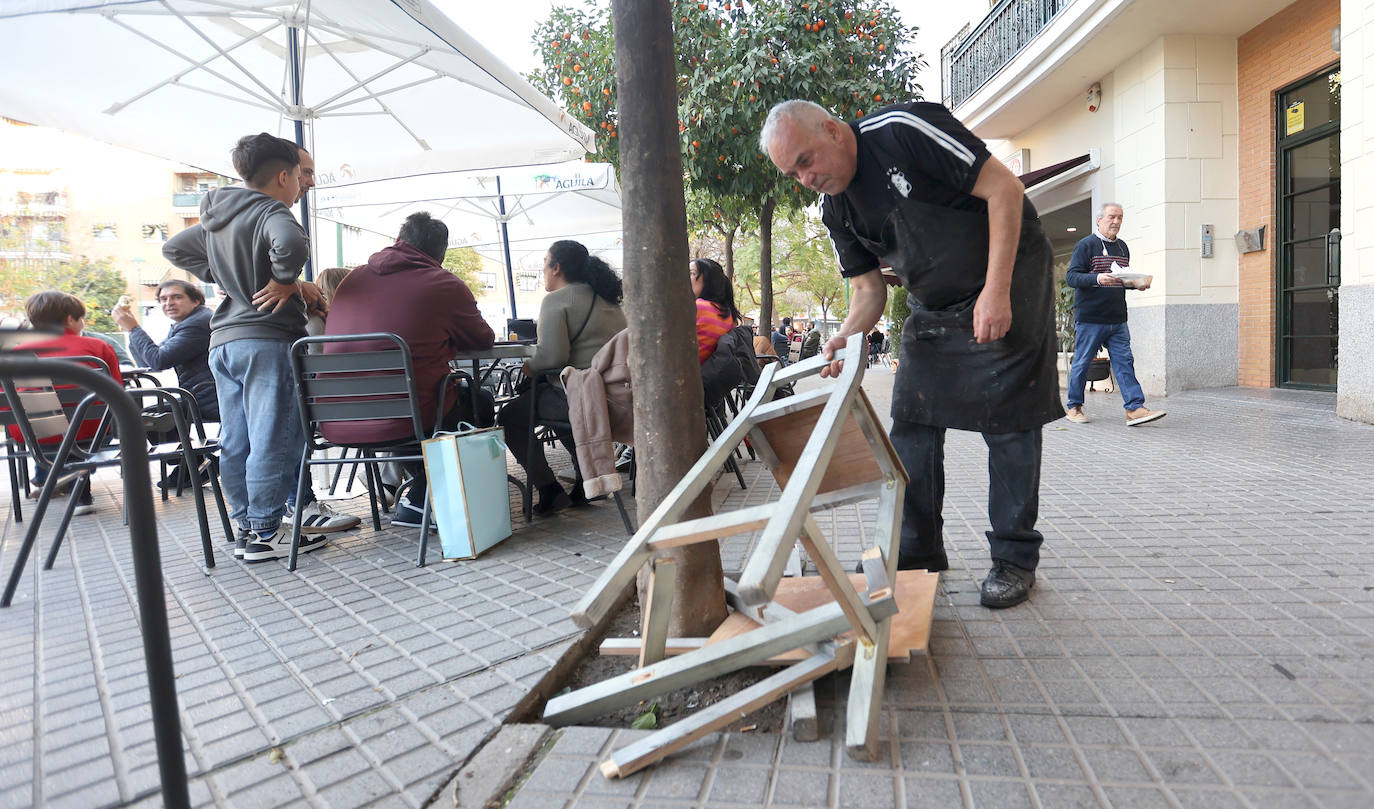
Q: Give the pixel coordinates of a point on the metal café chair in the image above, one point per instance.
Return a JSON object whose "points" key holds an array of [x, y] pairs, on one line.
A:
{"points": [[40, 412], [147, 563], [363, 383]]}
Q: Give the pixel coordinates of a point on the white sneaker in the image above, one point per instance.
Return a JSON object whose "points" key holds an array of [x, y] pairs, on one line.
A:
{"points": [[320, 518], [277, 545]]}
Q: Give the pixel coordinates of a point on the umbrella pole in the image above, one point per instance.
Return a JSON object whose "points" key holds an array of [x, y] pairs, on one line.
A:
{"points": [[293, 45], [505, 245]]}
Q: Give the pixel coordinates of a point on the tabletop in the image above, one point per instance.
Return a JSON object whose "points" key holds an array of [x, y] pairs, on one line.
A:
{"points": [[500, 351]]}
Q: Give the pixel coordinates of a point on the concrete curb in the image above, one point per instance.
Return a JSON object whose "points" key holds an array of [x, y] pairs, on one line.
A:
{"points": [[483, 781]]}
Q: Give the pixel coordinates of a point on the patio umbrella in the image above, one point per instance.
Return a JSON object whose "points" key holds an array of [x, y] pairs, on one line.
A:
{"points": [[571, 200], [375, 90]]}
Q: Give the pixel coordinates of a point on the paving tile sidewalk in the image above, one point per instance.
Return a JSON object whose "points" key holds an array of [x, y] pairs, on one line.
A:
{"points": [[1201, 635], [359, 680]]}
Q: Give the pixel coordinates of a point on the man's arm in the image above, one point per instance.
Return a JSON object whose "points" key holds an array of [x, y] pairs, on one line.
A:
{"points": [[1004, 195], [867, 299], [289, 250], [186, 251], [466, 327], [188, 341]]}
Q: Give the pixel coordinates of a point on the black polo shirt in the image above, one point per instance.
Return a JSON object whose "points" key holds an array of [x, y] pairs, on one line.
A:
{"points": [[915, 150]]}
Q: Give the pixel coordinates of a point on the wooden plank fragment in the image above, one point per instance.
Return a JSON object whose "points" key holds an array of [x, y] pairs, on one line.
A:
{"points": [[789, 405], [662, 580], [622, 570], [870, 671], [711, 661], [801, 713], [764, 567], [915, 593], [716, 526], [765, 613], [836, 581], [656, 746], [629, 647]]}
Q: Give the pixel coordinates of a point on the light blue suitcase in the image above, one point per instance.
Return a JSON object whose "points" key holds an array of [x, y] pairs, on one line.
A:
{"points": [[467, 489]]}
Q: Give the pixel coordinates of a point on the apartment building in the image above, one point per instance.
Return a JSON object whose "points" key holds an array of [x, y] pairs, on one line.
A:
{"points": [[64, 197], [1225, 129]]}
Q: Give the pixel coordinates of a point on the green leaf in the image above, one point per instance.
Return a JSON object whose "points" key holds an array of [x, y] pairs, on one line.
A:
{"points": [[647, 720]]}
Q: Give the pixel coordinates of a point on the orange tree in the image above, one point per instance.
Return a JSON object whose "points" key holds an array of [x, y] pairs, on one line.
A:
{"points": [[735, 60]]}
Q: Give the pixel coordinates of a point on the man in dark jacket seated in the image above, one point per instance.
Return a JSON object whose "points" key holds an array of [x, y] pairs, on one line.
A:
{"points": [[406, 291], [186, 348]]}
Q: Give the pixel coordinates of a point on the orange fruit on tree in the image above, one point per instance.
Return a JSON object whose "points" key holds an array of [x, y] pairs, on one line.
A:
{"points": [[813, 68], [605, 91], [881, 47], [566, 80], [878, 97], [701, 6], [577, 68], [696, 144], [586, 106]]}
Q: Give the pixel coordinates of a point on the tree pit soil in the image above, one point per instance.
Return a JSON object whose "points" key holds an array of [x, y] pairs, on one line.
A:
{"points": [[675, 705]]}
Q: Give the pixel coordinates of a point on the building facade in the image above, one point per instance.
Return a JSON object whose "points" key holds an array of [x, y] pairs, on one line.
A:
{"points": [[1224, 129]]}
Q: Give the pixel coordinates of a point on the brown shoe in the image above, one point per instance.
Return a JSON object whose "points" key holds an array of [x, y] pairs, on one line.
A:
{"points": [[1076, 415], [1142, 415]]}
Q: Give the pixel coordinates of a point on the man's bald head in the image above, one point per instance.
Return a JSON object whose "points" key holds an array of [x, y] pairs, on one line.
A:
{"points": [[810, 145]]}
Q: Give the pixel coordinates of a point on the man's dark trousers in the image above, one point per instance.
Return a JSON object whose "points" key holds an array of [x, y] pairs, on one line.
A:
{"points": [[1013, 496]]}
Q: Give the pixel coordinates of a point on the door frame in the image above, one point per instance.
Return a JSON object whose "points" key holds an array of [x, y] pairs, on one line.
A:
{"points": [[1283, 144]]}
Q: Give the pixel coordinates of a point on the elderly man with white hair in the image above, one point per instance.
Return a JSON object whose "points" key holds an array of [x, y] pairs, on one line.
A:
{"points": [[909, 187]]}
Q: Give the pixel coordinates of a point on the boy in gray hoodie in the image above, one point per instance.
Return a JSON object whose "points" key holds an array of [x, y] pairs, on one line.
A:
{"points": [[249, 243]]}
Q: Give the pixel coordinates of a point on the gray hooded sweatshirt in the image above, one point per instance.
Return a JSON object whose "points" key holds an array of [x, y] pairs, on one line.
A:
{"points": [[245, 239]]}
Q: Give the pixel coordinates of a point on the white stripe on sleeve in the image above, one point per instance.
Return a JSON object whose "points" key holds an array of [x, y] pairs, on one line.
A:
{"points": [[959, 150]]}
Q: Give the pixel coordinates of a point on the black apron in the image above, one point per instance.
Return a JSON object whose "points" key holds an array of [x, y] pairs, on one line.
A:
{"points": [[945, 378]]}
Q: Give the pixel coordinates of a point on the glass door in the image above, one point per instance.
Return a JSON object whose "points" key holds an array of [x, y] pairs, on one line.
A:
{"points": [[1309, 214]]}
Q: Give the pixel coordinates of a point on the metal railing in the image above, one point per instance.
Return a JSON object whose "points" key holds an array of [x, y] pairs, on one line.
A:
{"points": [[998, 38], [187, 199]]}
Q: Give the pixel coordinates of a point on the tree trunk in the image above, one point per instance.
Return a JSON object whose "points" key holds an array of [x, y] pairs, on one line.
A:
{"points": [[730, 252], [659, 304], [766, 263]]}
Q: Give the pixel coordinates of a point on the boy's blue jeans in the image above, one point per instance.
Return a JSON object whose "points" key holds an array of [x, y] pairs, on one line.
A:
{"points": [[1117, 338], [260, 429]]}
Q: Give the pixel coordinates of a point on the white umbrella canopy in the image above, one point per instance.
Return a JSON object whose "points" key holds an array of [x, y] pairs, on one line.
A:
{"points": [[379, 89], [537, 204]]}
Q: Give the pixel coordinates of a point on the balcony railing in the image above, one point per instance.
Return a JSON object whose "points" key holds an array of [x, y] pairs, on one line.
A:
{"points": [[1008, 28]]}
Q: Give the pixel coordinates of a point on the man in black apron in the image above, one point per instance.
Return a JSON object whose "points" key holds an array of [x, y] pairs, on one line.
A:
{"points": [[909, 187]]}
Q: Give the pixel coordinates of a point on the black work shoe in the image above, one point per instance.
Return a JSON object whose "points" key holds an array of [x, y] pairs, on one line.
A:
{"points": [[1006, 585]]}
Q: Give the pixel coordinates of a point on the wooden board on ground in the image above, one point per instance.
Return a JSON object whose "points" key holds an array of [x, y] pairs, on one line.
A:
{"points": [[910, 626]]}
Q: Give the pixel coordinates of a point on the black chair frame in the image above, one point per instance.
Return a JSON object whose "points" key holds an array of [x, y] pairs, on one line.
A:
{"points": [[147, 561], [70, 464]]}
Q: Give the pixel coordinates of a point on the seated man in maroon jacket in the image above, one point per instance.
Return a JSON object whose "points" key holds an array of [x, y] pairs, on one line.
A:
{"points": [[405, 290]]}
